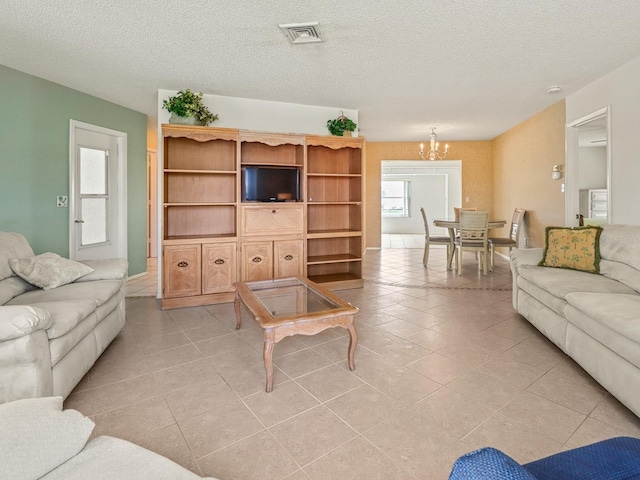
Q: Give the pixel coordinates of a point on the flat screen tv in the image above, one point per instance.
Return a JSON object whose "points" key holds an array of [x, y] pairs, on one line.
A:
{"points": [[270, 184]]}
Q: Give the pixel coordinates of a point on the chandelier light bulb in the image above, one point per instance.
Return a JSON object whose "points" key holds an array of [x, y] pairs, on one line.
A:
{"points": [[434, 150]]}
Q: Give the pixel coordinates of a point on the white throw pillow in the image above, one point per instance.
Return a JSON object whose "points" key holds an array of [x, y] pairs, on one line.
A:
{"points": [[48, 270], [36, 436]]}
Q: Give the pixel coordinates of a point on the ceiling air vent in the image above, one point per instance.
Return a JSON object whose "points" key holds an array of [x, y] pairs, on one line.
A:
{"points": [[301, 32]]}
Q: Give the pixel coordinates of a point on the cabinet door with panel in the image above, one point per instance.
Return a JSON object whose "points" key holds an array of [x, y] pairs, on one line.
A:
{"points": [[289, 258], [182, 270], [257, 261], [219, 267], [272, 220]]}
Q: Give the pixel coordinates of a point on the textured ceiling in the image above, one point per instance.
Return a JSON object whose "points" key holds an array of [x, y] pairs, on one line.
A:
{"points": [[471, 68]]}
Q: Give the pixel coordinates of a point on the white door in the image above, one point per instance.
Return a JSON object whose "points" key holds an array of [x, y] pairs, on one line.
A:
{"points": [[97, 203]]}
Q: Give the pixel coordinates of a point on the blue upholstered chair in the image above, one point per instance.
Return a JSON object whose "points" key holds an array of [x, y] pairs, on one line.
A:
{"points": [[614, 459]]}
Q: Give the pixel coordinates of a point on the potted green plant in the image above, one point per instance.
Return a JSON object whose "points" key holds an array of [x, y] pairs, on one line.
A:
{"points": [[187, 108], [339, 125]]}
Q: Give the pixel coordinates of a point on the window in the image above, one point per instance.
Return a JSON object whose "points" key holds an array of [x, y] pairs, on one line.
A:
{"points": [[395, 198]]}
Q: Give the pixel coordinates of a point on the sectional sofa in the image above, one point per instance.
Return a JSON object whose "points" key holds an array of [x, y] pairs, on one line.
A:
{"points": [[51, 337], [593, 318]]}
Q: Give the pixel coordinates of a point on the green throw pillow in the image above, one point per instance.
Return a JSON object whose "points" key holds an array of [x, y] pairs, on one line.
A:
{"points": [[575, 248]]}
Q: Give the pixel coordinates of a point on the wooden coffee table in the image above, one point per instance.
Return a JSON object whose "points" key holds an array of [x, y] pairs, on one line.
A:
{"points": [[293, 306]]}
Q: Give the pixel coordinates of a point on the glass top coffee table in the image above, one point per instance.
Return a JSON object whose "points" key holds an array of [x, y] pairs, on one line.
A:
{"points": [[293, 306]]}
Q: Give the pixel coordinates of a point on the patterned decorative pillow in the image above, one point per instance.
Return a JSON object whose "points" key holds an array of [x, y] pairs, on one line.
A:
{"points": [[48, 270], [576, 248]]}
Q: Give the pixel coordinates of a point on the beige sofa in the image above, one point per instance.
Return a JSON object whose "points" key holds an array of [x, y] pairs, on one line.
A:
{"points": [[49, 339], [38, 440], [594, 318]]}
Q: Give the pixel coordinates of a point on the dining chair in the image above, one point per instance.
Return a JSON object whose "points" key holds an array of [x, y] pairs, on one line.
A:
{"points": [[512, 241], [472, 237], [457, 210], [435, 240]]}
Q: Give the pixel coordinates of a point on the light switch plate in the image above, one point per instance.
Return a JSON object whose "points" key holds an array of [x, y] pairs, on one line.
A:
{"points": [[62, 201]]}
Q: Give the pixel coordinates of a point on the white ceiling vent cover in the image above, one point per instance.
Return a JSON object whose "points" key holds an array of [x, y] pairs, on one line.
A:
{"points": [[301, 32]]}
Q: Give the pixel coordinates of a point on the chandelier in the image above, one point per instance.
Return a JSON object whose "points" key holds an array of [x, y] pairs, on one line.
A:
{"points": [[433, 153]]}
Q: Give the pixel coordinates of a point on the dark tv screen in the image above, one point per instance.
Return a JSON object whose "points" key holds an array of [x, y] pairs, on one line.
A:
{"points": [[270, 184]]}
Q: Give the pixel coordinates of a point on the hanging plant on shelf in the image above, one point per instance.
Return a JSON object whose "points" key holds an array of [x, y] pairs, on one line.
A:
{"points": [[339, 125], [187, 108]]}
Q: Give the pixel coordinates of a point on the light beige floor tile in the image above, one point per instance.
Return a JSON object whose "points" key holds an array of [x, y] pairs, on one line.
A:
{"points": [[301, 362], [154, 326], [135, 420], [432, 339], [438, 368], [401, 352], [471, 356], [480, 387], [221, 344], [357, 460], [246, 380], [170, 443], [182, 375], [336, 350], [612, 412], [283, 402], [172, 357], [213, 329], [400, 328], [218, 428], [556, 385], [158, 343], [592, 431], [537, 351], [452, 412], [297, 475], [198, 398], [312, 434], [511, 371], [364, 407], [500, 432], [259, 457], [329, 382], [80, 401], [410, 439], [121, 393], [537, 414]]}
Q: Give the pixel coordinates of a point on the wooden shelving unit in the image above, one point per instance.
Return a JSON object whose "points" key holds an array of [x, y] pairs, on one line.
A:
{"points": [[211, 238], [334, 211]]}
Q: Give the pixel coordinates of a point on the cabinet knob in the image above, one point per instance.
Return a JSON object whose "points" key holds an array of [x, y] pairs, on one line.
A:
{"points": [[273, 211], [288, 257], [219, 261], [256, 259], [183, 264]]}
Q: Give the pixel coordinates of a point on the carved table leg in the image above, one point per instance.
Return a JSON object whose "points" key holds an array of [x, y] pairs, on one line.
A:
{"points": [[236, 306], [269, 341], [353, 343]]}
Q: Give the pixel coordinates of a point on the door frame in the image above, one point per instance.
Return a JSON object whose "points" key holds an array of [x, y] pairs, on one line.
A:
{"points": [[572, 187], [121, 174]]}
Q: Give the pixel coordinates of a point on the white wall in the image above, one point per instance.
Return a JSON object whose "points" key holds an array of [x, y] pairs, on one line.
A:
{"points": [[438, 197], [263, 115], [620, 90], [593, 167]]}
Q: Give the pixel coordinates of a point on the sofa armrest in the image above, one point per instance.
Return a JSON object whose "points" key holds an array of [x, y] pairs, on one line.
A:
{"points": [[21, 320], [106, 269], [526, 256]]}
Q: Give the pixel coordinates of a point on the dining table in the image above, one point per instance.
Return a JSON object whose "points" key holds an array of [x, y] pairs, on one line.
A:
{"points": [[453, 225]]}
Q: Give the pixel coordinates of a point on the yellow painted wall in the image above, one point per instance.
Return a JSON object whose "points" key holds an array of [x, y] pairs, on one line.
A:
{"points": [[522, 161], [476, 176], [152, 133]]}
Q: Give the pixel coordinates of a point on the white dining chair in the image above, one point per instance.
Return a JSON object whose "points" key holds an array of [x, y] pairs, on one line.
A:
{"points": [[435, 240], [472, 237], [512, 241]]}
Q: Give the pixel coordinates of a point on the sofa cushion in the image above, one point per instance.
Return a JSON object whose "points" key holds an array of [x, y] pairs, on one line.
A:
{"points": [[48, 270], [105, 269], [575, 248], [621, 243], [66, 315], [106, 458], [14, 245], [12, 287], [610, 319], [560, 282], [20, 320], [621, 272], [37, 436], [99, 292]]}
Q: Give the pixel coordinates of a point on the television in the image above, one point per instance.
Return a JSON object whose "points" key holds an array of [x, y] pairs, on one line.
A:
{"points": [[270, 184]]}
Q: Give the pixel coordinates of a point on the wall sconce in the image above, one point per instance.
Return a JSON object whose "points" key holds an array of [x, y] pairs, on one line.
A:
{"points": [[556, 172]]}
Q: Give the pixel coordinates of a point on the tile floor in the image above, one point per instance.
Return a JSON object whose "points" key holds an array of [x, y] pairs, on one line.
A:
{"points": [[443, 366]]}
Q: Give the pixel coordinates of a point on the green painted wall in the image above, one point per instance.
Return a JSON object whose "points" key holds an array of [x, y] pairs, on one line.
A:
{"points": [[34, 161]]}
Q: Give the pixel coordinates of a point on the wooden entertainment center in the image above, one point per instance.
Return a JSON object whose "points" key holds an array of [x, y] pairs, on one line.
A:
{"points": [[211, 238]]}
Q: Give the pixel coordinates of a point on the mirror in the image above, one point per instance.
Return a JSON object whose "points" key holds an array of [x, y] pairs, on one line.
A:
{"points": [[588, 186]]}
